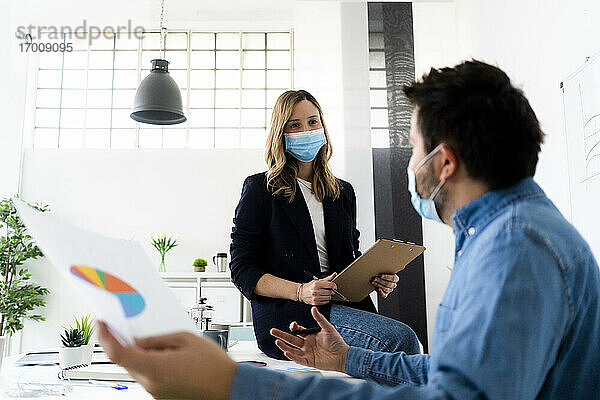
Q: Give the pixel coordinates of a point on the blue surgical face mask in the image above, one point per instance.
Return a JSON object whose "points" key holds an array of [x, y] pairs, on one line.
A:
{"points": [[305, 145], [425, 207]]}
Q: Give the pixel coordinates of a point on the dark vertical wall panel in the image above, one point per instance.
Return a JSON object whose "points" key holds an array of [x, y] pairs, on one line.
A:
{"points": [[408, 301], [394, 214], [399, 67]]}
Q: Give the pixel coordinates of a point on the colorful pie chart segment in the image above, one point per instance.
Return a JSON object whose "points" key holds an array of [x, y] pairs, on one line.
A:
{"points": [[131, 301]]}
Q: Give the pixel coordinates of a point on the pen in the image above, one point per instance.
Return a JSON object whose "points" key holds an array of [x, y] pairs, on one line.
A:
{"points": [[334, 291], [112, 385]]}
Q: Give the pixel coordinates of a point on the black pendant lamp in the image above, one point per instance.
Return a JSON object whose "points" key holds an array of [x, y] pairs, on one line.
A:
{"points": [[158, 99]]}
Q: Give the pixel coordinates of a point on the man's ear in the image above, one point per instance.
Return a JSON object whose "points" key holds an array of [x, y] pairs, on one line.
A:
{"points": [[449, 162]]}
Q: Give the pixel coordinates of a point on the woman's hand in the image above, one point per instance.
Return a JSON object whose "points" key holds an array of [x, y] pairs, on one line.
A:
{"points": [[385, 284], [318, 292], [324, 350]]}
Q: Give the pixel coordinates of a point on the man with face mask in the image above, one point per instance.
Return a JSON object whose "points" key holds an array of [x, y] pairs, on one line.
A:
{"points": [[520, 318]]}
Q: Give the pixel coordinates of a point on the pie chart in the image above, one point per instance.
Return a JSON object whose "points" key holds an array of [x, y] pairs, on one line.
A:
{"points": [[132, 302]]}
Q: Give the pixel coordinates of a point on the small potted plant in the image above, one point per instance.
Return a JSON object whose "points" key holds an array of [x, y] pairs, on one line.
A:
{"points": [[86, 325], [200, 265], [163, 244], [77, 349]]}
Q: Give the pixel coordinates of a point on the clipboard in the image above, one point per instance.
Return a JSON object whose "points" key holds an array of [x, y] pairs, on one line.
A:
{"points": [[384, 257]]}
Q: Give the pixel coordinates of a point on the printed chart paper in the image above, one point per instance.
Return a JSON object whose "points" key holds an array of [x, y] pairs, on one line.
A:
{"points": [[114, 276]]}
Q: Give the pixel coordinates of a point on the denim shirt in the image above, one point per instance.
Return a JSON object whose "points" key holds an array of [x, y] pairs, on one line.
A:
{"points": [[520, 318]]}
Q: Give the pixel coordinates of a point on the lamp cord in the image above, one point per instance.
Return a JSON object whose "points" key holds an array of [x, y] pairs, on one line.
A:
{"points": [[162, 29]]}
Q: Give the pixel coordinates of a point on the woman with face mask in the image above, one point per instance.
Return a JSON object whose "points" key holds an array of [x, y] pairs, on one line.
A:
{"points": [[296, 222]]}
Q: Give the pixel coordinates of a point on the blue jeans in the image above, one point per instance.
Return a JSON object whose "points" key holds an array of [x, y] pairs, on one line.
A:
{"points": [[373, 331]]}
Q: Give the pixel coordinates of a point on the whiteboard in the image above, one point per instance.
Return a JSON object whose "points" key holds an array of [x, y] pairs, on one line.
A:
{"points": [[581, 102]]}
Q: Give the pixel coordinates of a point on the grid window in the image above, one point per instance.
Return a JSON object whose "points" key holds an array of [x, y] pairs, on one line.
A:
{"points": [[229, 82], [380, 135]]}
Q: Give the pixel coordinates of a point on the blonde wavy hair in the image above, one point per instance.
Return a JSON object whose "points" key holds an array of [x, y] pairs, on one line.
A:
{"points": [[282, 169]]}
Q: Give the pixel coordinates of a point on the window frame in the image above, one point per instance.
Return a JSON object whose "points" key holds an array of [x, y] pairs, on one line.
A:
{"points": [[379, 133], [239, 130]]}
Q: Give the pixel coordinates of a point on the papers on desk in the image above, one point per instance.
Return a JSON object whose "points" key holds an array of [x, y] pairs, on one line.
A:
{"points": [[114, 276], [51, 358]]}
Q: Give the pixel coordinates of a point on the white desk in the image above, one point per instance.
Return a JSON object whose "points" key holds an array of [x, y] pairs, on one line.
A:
{"points": [[10, 374], [244, 351]]}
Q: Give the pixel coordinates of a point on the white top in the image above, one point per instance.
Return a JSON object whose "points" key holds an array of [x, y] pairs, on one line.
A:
{"points": [[315, 208]]}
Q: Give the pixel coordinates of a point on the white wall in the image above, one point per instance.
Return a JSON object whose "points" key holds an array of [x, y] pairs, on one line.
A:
{"points": [[133, 194], [358, 156], [12, 102], [538, 43], [435, 46]]}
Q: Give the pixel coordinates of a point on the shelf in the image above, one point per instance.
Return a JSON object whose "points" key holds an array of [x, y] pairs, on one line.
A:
{"points": [[190, 286], [195, 275]]}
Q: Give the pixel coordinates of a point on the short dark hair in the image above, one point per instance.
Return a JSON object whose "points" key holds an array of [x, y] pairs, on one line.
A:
{"points": [[474, 108]]}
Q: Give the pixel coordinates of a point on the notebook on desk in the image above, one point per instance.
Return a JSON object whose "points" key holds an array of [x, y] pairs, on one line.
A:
{"points": [[98, 372]]}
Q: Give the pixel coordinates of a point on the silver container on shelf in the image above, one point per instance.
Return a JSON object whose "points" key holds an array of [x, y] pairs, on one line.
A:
{"points": [[220, 260]]}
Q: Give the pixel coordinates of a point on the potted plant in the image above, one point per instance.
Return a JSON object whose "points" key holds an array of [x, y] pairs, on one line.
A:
{"points": [[200, 265], [163, 245], [76, 348], [86, 325], [73, 353], [18, 296]]}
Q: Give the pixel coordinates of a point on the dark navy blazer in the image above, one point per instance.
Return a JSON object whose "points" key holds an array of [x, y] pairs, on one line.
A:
{"points": [[271, 235]]}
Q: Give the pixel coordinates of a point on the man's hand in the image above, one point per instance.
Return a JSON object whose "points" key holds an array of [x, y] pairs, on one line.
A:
{"points": [[180, 365], [324, 350], [318, 292], [385, 284]]}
